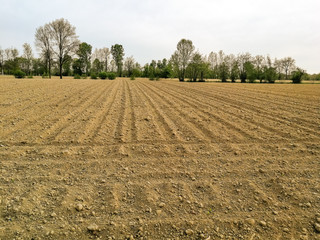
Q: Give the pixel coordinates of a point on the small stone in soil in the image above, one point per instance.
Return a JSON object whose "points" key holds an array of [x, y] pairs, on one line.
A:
{"points": [[189, 232], [93, 227], [79, 207], [263, 223]]}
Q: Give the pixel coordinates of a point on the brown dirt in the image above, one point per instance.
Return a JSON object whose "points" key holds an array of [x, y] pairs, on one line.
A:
{"points": [[87, 159]]}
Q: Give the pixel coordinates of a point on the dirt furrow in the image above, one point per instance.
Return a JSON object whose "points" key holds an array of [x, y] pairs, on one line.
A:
{"points": [[290, 118], [98, 112], [192, 132], [170, 128], [285, 102], [219, 122], [132, 105], [150, 124], [51, 134], [118, 133], [31, 119], [244, 117], [31, 101], [288, 98]]}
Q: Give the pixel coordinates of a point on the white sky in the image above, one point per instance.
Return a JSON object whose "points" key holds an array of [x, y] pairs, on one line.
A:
{"points": [[150, 29]]}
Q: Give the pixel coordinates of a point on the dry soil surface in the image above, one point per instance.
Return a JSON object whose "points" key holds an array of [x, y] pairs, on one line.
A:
{"points": [[122, 159]]}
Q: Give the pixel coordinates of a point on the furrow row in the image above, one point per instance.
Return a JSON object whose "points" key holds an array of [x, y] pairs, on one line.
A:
{"points": [[74, 118], [286, 114], [247, 118]]}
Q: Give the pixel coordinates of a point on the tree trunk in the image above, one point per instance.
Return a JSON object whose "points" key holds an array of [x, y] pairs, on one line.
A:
{"points": [[49, 67], [60, 67]]}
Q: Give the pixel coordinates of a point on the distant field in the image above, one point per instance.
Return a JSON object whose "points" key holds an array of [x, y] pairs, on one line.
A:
{"points": [[162, 159]]}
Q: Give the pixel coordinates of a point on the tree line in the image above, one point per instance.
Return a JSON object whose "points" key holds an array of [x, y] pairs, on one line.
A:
{"points": [[61, 53]]}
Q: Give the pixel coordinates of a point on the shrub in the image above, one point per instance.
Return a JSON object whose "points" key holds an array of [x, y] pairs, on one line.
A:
{"points": [[30, 76], [132, 78], [93, 76], [111, 76], [19, 74], [297, 75], [77, 76], [84, 76], [45, 76], [103, 75]]}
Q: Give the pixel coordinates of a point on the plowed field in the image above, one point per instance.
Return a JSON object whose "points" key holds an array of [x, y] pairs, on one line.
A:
{"points": [[87, 159]]}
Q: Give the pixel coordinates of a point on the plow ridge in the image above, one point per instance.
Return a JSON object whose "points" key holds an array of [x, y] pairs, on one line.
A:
{"points": [[185, 123], [43, 102], [91, 130], [34, 119], [249, 120], [66, 121], [217, 118], [271, 115], [284, 102], [168, 125]]}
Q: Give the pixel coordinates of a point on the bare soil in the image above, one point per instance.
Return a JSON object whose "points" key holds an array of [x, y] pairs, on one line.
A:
{"points": [[122, 159]]}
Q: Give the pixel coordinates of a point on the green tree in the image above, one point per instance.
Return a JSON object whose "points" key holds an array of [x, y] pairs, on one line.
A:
{"points": [[259, 66], [242, 60], [297, 75], [77, 67], [84, 53], [234, 73], [194, 67], [250, 71], [269, 72], [117, 52], [67, 63], [145, 72], [39, 67]]}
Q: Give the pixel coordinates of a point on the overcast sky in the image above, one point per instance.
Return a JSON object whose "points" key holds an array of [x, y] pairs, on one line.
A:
{"points": [[150, 29]]}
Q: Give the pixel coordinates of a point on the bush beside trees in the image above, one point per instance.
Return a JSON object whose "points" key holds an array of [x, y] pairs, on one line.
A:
{"points": [[19, 74], [103, 75], [297, 75], [111, 76]]}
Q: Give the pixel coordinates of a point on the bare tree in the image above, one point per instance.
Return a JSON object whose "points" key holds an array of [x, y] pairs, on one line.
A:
{"points": [[28, 55], [65, 41], [98, 54], [113, 65], [288, 65], [107, 55], [242, 60], [213, 60], [221, 56], [129, 65], [44, 45], [14, 53], [8, 54], [182, 57], [278, 66]]}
